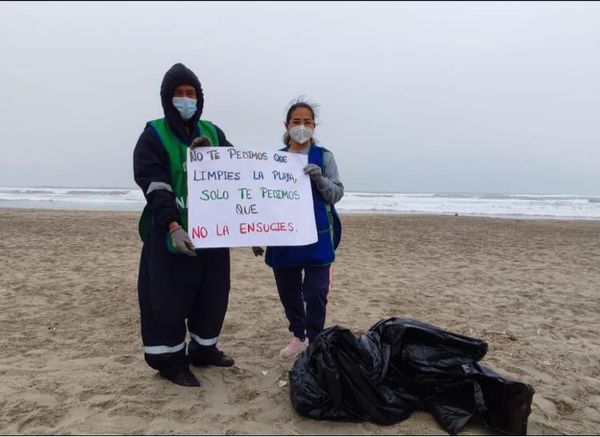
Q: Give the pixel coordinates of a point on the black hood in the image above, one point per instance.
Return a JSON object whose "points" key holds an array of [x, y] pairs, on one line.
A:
{"points": [[177, 75]]}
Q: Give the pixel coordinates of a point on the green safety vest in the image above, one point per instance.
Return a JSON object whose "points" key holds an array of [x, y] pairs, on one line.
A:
{"points": [[177, 152]]}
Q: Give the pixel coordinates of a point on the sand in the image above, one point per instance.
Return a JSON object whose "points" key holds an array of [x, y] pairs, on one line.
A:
{"points": [[71, 357]]}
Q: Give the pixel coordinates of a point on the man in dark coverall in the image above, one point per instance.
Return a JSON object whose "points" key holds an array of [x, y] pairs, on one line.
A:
{"points": [[181, 289]]}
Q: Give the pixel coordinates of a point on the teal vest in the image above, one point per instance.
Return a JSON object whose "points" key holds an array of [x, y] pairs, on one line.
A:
{"points": [[177, 153], [329, 230]]}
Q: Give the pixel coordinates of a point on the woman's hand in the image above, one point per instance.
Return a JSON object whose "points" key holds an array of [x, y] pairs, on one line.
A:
{"points": [[314, 172]]}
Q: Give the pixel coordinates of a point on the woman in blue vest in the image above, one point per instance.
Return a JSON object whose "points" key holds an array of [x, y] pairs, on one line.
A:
{"points": [[302, 273]]}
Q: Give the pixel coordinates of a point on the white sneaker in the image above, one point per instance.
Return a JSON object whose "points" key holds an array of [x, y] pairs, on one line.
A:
{"points": [[294, 348]]}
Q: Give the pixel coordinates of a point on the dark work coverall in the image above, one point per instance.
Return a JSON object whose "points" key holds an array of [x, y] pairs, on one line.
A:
{"points": [[175, 287]]}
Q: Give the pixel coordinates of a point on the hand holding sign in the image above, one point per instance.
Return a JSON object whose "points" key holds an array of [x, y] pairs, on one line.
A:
{"points": [[181, 242], [314, 172], [200, 142]]}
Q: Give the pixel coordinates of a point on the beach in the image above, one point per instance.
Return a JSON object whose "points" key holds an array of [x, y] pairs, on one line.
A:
{"points": [[72, 360]]}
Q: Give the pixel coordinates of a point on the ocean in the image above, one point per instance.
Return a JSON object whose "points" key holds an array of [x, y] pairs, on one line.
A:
{"points": [[546, 206]]}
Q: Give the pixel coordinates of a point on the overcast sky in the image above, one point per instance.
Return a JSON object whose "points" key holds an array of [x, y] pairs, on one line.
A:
{"points": [[414, 97]]}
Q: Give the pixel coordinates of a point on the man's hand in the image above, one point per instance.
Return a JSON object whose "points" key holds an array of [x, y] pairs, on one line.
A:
{"points": [[181, 241], [257, 251], [314, 172], [200, 142]]}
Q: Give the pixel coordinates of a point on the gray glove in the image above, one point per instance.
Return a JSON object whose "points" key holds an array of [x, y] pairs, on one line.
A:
{"points": [[257, 251], [314, 172], [181, 242], [200, 142]]}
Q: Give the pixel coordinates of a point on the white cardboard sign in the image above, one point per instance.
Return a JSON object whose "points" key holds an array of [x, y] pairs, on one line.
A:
{"points": [[248, 197]]}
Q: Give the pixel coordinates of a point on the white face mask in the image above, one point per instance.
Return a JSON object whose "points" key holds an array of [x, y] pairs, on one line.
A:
{"points": [[186, 106], [301, 134]]}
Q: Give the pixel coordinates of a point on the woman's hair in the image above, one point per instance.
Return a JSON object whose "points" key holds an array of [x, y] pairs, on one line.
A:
{"points": [[299, 102]]}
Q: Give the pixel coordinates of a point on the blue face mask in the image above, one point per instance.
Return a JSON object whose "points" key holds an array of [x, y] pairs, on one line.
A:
{"points": [[186, 106]]}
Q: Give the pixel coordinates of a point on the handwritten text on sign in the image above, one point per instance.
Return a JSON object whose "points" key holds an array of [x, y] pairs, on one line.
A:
{"points": [[248, 198]]}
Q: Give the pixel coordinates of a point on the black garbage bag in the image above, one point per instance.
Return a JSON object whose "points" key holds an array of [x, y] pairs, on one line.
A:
{"points": [[401, 365]]}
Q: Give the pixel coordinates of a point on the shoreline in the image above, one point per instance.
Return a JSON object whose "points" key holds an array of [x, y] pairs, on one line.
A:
{"points": [[341, 212]]}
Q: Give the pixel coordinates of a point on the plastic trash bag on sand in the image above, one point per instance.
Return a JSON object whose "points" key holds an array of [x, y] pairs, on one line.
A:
{"points": [[401, 365]]}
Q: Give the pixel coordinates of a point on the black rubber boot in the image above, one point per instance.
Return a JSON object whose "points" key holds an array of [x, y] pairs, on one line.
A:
{"points": [[207, 356], [180, 374]]}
